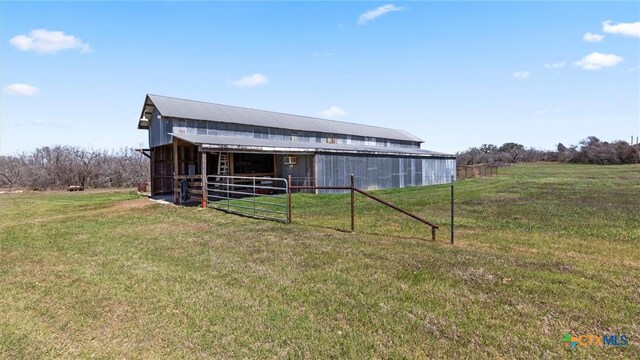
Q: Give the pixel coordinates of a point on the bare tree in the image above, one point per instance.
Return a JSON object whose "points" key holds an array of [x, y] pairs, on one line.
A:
{"points": [[61, 166], [11, 171]]}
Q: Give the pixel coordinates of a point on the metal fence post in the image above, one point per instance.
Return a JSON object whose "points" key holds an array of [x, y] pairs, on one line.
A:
{"points": [[254, 195], [203, 170], [353, 200], [452, 209], [289, 199]]}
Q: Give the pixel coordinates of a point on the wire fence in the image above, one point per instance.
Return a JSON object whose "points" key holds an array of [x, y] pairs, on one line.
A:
{"points": [[474, 171], [581, 206], [297, 182]]}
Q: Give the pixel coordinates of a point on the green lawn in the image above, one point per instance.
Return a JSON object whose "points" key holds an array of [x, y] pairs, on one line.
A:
{"points": [[541, 250]]}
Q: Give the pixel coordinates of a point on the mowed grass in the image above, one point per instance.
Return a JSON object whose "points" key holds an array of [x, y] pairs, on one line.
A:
{"points": [[541, 250]]}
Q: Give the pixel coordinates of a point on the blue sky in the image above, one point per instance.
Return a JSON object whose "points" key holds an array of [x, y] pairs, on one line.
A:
{"points": [[456, 74]]}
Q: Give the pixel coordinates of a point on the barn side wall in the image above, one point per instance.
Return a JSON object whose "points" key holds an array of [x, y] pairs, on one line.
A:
{"points": [[202, 127], [159, 129], [302, 172], [381, 172]]}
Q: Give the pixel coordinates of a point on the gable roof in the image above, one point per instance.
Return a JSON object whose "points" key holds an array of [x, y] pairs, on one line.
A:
{"points": [[199, 110]]}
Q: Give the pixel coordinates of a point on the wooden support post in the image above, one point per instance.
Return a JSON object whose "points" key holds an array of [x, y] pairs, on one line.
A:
{"points": [[353, 201], [203, 171], [175, 171], [275, 166], [152, 172], [289, 199]]}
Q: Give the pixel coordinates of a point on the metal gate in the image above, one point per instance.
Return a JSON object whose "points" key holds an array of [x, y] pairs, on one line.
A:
{"points": [[260, 197]]}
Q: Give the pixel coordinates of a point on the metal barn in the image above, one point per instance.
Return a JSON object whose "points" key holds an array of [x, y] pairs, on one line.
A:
{"points": [[193, 139]]}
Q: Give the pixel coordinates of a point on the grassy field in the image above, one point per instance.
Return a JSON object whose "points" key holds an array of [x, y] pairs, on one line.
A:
{"points": [[541, 250]]}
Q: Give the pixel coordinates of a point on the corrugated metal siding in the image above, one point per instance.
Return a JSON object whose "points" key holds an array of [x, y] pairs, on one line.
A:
{"points": [[159, 130], [279, 146], [302, 169], [200, 127], [373, 172]]}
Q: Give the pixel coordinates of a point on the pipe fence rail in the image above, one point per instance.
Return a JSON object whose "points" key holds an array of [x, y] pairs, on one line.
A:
{"points": [[259, 197], [270, 197], [352, 188]]}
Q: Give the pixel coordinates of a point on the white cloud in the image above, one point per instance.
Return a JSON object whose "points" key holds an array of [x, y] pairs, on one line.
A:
{"points": [[43, 41], [333, 111], [375, 13], [21, 90], [521, 75], [597, 61], [555, 65], [252, 80], [625, 29], [589, 37]]}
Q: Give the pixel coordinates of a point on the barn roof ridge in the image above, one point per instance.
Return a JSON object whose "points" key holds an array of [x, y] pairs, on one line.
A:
{"points": [[283, 120]]}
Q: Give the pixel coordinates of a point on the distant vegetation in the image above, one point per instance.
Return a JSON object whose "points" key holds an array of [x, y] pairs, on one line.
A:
{"points": [[590, 151], [58, 167]]}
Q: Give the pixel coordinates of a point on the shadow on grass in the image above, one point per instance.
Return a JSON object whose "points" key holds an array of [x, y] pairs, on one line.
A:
{"points": [[249, 216], [372, 233]]}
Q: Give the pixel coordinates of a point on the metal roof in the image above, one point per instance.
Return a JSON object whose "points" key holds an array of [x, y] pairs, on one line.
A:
{"points": [[190, 109], [221, 143]]}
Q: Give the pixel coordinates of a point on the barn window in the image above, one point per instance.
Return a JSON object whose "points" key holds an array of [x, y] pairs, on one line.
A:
{"points": [[369, 141]]}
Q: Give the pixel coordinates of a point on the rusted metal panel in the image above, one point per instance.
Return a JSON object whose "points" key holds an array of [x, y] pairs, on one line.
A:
{"points": [[162, 170]]}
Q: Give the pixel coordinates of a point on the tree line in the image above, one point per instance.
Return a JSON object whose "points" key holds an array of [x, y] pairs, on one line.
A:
{"points": [[589, 151], [59, 167]]}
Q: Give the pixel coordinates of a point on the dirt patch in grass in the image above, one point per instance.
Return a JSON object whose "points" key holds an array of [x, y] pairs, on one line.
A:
{"points": [[474, 275], [120, 207]]}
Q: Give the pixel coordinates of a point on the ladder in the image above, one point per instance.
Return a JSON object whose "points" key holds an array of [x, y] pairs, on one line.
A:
{"points": [[223, 164]]}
